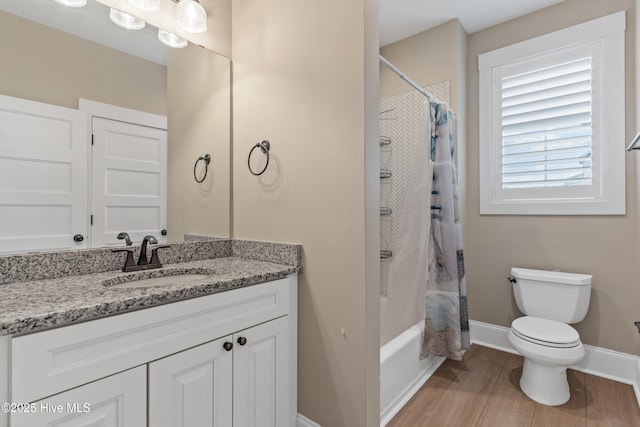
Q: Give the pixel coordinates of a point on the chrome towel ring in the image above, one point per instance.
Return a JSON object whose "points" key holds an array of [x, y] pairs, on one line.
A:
{"points": [[264, 146], [207, 160]]}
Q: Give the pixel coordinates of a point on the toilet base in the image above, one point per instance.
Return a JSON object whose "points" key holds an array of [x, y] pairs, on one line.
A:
{"points": [[545, 384]]}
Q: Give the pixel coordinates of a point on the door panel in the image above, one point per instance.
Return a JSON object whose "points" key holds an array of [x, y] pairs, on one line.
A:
{"points": [[129, 181], [261, 375], [115, 401], [192, 388], [43, 176]]}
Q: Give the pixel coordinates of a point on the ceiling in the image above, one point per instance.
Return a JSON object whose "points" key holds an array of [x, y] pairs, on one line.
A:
{"points": [[400, 19]]}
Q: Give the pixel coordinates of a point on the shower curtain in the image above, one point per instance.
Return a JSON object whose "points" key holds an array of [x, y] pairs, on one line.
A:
{"points": [[408, 271], [446, 331]]}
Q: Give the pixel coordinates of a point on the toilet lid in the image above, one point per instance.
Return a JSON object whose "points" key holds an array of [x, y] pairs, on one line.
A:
{"points": [[545, 332]]}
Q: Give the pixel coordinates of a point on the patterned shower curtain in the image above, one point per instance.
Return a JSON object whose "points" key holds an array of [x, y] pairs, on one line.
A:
{"points": [[446, 331]]}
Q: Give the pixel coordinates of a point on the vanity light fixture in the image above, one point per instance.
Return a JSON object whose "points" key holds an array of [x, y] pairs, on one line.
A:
{"points": [[145, 5], [72, 3], [125, 20], [171, 40], [191, 16]]}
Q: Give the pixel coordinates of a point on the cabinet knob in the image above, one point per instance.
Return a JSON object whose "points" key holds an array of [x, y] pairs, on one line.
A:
{"points": [[227, 346], [78, 238], [242, 340]]}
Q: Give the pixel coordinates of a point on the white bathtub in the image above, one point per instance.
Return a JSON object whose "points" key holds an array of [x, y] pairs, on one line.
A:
{"points": [[402, 373]]}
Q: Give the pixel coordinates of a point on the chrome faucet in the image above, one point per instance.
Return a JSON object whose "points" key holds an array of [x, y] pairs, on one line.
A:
{"points": [[143, 263]]}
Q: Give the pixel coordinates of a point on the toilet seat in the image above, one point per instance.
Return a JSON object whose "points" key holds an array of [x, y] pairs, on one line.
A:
{"points": [[545, 332]]}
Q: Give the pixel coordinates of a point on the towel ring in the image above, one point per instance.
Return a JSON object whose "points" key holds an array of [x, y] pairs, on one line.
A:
{"points": [[264, 146], [207, 160]]}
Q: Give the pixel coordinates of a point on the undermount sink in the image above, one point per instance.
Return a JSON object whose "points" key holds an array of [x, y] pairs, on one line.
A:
{"points": [[160, 278]]}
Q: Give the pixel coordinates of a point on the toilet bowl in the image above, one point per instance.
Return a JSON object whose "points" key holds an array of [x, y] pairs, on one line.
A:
{"points": [[548, 348], [550, 301]]}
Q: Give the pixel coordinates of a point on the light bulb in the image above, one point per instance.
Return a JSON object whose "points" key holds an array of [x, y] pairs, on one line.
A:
{"points": [[125, 20], [191, 16], [171, 40], [72, 3]]}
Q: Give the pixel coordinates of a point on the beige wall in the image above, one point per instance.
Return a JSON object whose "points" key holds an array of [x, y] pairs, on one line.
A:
{"points": [[605, 246], [198, 90], [298, 72], [372, 214], [428, 57], [47, 65]]}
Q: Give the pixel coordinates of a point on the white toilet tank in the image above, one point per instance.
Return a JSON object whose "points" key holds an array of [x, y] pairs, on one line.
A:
{"points": [[553, 295]]}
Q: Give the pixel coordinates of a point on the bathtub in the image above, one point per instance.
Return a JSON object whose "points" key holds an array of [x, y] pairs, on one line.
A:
{"points": [[402, 373]]}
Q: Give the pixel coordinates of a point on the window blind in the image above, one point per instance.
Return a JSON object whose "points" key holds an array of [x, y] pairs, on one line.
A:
{"points": [[547, 127]]}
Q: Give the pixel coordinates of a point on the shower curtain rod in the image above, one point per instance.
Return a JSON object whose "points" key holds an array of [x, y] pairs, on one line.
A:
{"points": [[404, 77]]}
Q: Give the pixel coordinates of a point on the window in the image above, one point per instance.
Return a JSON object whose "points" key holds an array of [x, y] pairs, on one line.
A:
{"points": [[552, 137]]}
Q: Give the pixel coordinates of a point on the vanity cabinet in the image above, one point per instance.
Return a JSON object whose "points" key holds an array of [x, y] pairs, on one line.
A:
{"points": [[115, 401], [240, 380], [192, 388], [261, 376], [227, 359]]}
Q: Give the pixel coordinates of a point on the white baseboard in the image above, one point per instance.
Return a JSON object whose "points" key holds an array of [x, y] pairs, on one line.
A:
{"points": [[303, 421], [489, 335], [601, 362], [636, 387]]}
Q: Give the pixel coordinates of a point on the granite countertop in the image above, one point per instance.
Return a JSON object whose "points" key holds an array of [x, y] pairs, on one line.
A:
{"points": [[34, 305]]}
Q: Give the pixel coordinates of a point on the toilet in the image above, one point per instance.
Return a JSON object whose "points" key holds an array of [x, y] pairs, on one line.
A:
{"points": [[550, 300]]}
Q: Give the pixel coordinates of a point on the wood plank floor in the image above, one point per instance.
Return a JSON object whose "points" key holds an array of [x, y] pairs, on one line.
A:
{"points": [[483, 390]]}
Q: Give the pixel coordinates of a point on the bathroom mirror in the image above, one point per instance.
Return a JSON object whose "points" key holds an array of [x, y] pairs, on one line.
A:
{"points": [[189, 86]]}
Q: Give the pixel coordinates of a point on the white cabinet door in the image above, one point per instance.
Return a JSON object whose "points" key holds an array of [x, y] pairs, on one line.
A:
{"points": [[116, 401], [208, 386], [192, 388], [261, 375], [43, 176], [129, 181]]}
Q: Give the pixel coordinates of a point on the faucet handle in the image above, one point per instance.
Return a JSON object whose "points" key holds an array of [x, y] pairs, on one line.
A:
{"points": [[130, 262], [155, 260]]}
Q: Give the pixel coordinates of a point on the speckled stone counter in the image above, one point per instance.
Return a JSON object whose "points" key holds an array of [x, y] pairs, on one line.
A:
{"points": [[34, 303]]}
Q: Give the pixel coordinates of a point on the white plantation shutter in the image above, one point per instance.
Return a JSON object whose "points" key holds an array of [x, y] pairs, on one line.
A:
{"points": [[552, 123], [546, 126]]}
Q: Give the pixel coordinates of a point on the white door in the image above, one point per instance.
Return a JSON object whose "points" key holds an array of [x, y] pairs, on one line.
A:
{"points": [[115, 401], [192, 388], [43, 176], [129, 181], [261, 375]]}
